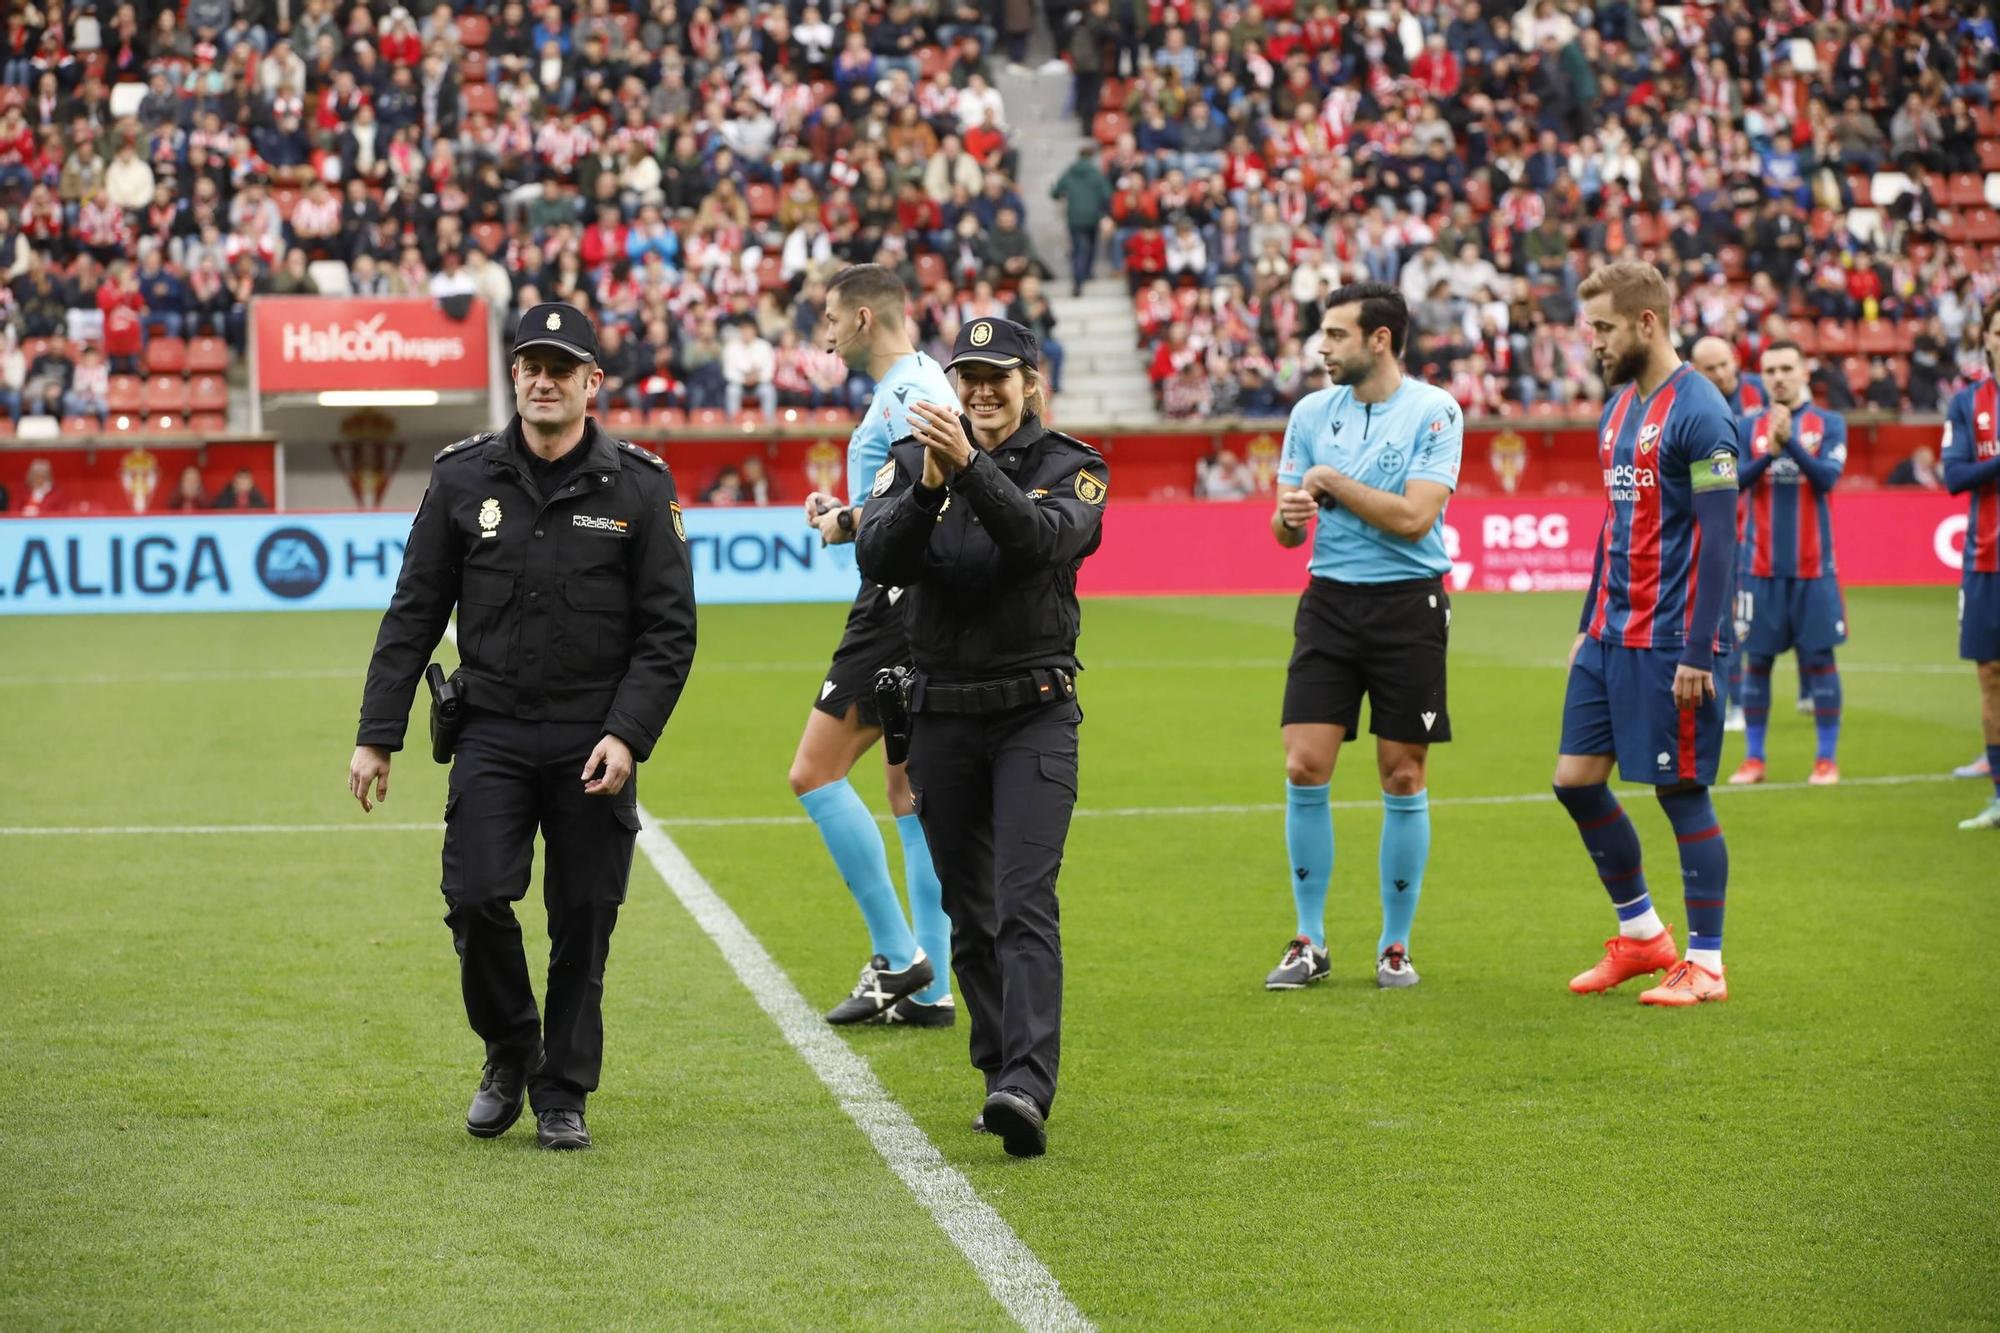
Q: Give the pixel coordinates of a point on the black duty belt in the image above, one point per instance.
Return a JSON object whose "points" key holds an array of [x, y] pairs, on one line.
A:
{"points": [[1043, 685]]}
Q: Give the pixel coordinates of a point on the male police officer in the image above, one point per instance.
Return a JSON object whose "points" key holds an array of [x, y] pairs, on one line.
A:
{"points": [[564, 552]]}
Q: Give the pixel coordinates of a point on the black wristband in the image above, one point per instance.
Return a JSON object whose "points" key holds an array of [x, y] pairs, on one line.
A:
{"points": [[846, 520]]}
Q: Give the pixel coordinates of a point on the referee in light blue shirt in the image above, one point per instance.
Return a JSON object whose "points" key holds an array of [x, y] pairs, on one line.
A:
{"points": [[1374, 457]]}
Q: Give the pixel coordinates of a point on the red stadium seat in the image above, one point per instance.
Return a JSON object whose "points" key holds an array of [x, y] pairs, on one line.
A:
{"points": [[931, 59], [1989, 155], [1108, 126], [208, 393], [1938, 184], [166, 423], [1982, 226], [749, 419], [80, 426], [123, 423], [165, 393], [930, 270], [762, 199], [1479, 193], [165, 356], [1113, 96], [480, 100], [1735, 264], [1874, 338], [208, 423], [770, 274], [472, 67], [623, 419], [1968, 190], [474, 31], [287, 199], [1806, 334], [490, 237], [207, 356], [6, 428], [124, 393], [666, 418], [832, 416], [708, 418], [1835, 338]]}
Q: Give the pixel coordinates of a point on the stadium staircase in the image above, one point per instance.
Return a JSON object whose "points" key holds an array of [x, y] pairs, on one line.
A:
{"points": [[1104, 375]]}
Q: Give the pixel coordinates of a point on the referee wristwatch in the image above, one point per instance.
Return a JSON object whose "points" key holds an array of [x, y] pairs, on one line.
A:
{"points": [[845, 519]]}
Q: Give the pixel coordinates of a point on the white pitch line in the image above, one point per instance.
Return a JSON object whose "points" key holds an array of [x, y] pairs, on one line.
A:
{"points": [[800, 821], [1018, 1280]]}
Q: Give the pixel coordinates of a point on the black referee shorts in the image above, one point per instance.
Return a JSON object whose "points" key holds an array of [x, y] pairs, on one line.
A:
{"points": [[1384, 640], [874, 638]]}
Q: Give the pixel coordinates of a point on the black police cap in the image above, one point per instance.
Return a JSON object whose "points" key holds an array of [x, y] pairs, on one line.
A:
{"points": [[563, 327], [994, 342]]}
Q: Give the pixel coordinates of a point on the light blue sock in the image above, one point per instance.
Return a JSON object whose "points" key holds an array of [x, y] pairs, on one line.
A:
{"points": [[927, 918], [856, 845], [1309, 843], [1406, 845]]}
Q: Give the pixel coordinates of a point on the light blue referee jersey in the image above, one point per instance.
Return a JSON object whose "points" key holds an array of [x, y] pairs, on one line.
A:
{"points": [[1416, 434], [913, 379]]}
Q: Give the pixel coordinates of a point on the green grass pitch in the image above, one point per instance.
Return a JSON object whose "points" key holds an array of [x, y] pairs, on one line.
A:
{"points": [[236, 1064]]}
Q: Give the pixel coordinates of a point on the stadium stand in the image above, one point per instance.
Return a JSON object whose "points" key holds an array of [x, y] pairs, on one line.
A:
{"points": [[689, 175], [692, 175], [1823, 171]]}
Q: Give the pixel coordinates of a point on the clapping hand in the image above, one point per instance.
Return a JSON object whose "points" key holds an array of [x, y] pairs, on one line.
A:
{"points": [[942, 435]]}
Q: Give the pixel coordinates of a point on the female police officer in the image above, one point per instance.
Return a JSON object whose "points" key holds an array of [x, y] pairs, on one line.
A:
{"points": [[983, 520]]}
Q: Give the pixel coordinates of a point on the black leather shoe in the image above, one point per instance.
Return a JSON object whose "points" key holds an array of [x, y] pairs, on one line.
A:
{"points": [[497, 1104], [562, 1131], [1018, 1122]]}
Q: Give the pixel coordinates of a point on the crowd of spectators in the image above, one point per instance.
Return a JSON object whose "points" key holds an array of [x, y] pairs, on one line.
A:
{"points": [[688, 174], [1818, 169]]}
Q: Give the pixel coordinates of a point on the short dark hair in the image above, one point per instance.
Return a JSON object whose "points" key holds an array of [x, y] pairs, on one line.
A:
{"points": [[874, 287], [1382, 307], [1785, 345]]}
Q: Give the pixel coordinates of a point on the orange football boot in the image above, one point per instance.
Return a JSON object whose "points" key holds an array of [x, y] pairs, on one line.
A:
{"points": [[1752, 770], [1688, 983], [1825, 773], [1625, 958]]}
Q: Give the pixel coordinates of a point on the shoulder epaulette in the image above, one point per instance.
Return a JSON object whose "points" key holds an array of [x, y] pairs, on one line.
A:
{"points": [[453, 450], [646, 454]]}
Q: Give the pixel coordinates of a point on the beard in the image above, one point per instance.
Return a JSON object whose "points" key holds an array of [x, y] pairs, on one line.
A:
{"points": [[1625, 368], [1349, 372]]}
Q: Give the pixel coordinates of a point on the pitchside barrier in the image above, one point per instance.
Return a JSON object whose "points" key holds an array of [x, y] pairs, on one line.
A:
{"points": [[325, 562]]}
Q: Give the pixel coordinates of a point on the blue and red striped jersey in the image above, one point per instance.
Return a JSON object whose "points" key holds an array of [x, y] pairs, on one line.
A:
{"points": [[1790, 531], [1972, 435], [1750, 395], [1656, 452]]}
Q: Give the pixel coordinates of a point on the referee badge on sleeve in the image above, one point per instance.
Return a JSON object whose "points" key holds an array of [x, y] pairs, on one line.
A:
{"points": [[1089, 489], [885, 477]]}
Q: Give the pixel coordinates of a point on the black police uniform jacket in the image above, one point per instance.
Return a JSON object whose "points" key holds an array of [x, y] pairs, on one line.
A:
{"points": [[578, 608], [988, 562]]}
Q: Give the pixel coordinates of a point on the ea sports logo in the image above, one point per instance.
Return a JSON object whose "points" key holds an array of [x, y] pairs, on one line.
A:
{"points": [[292, 563]]}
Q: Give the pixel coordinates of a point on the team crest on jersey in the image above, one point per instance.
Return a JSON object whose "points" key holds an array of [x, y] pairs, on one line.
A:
{"points": [[885, 477], [1649, 435], [489, 518], [1089, 489]]}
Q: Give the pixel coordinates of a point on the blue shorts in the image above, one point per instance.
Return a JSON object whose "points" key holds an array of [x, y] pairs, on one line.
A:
{"points": [[1620, 702], [1979, 617], [1807, 615]]}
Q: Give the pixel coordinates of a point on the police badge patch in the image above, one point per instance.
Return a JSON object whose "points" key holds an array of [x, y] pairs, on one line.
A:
{"points": [[1089, 489], [489, 518], [674, 508], [885, 477]]}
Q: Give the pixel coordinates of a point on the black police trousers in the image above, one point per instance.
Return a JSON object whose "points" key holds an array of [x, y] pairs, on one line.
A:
{"points": [[995, 792], [509, 777]]}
